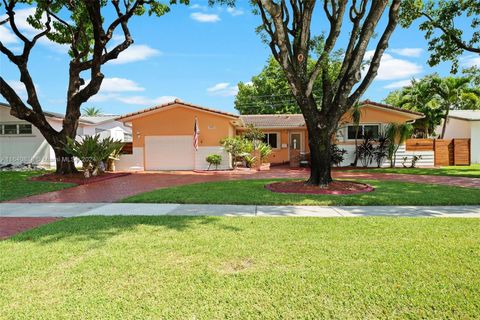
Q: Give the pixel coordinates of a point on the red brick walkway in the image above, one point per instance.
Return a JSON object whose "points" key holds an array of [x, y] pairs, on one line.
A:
{"points": [[115, 189], [10, 226]]}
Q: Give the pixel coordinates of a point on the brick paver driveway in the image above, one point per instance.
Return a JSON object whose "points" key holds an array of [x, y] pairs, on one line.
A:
{"points": [[118, 188]]}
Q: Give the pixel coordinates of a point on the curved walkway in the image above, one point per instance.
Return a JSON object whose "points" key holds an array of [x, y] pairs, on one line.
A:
{"points": [[113, 190]]}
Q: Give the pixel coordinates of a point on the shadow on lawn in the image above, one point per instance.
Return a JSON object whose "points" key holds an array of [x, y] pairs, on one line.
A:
{"points": [[101, 228]]}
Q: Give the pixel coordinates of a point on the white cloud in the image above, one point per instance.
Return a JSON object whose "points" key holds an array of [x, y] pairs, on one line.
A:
{"points": [[205, 17], [471, 61], [235, 11], [120, 85], [136, 52], [116, 85], [7, 36], [398, 84], [393, 68], [145, 101], [408, 52], [223, 89]]}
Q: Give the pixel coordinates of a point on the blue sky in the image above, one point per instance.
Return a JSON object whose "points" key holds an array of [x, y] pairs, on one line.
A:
{"points": [[197, 54]]}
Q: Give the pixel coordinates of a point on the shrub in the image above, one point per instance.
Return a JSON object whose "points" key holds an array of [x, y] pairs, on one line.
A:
{"points": [[264, 150], [92, 152], [336, 154], [214, 159], [380, 151], [365, 151], [238, 147]]}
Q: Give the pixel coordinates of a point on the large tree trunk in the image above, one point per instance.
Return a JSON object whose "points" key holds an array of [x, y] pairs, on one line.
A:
{"points": [[319, 141], [64, 162]]}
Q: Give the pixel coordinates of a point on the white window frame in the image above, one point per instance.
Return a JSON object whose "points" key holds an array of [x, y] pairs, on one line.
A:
{"points": [[18, 134], [379, 125], [278, 138]]}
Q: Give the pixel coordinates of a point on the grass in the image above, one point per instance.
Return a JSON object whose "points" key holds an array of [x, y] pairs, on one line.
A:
{"points": [[472, 171], [15, 184], [254, 192], [240, 268]]}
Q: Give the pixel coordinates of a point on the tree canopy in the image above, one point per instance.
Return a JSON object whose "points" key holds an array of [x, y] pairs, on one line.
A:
{"points": [[269, 91], [434, 96], [441, 20]]}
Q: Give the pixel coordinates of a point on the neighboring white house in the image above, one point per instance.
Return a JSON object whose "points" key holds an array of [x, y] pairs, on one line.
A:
{"points": [[464, 124], [21, 142]]}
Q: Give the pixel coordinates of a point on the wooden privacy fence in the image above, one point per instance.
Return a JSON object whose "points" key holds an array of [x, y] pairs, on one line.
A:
{"points": [[448, 152]]}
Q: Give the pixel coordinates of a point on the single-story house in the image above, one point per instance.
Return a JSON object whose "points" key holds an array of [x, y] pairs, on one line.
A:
{"points": [[21, 142], [464, 124], [162, 136]]}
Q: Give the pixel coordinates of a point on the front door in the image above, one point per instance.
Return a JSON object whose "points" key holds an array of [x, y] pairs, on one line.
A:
{"points": [[295, 146]]}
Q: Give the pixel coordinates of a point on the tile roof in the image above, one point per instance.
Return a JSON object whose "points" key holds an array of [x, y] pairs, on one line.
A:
{"points": [[274, 120], [473, 115], [177, 101], [297, 120]]}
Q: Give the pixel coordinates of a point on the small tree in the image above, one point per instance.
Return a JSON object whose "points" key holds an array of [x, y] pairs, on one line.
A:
{"points": [[397, 133], [214, 159], [254, 135], [235, 146]]}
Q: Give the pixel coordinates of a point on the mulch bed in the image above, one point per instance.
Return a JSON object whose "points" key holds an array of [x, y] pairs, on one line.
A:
{"points": [[78, 178], [334, 188], [10, 226]]}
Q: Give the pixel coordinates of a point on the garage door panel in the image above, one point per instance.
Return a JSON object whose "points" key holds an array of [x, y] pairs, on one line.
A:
{"points": [[169, 153]]}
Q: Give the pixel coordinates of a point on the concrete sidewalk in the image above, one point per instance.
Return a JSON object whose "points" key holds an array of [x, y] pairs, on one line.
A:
{"points": [[132, 209]]}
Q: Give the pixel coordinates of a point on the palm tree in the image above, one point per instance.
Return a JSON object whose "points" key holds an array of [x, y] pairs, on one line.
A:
{"points": [[397, 133], [356, 113], [91, 111], [450, 92]]}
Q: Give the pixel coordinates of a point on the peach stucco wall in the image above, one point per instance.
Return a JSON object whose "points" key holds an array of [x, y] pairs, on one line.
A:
{"points": [[376, 115], [179, 120]]}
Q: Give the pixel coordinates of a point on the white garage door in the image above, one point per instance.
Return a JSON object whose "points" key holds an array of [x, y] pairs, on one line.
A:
{"points": [[169, 153]]}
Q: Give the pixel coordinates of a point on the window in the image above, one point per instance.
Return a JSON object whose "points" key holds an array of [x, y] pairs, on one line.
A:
{"points": [[16, 129], [271, 139], [10, 128], [364, 130], [25, 129]]}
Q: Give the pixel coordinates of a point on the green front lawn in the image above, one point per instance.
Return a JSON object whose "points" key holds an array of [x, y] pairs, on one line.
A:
{"points": [[472, 171], [15, 184], [254, 192], [241, 268]]}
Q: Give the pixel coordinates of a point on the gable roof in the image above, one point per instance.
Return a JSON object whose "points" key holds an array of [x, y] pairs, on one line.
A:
{"points": [[297, 120], [91, 120], [471, 115], [176, 102], [390, 107]]}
